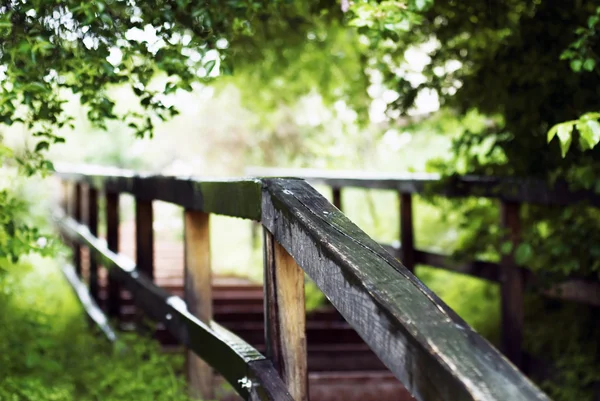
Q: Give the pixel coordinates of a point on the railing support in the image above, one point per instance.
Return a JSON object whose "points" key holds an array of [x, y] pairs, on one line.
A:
{"points": [[76, 214], [337, 197], [113, 298], [285, 317], [198, 295], [512, 287], [92, 221], [144, 237], [407, 237]]}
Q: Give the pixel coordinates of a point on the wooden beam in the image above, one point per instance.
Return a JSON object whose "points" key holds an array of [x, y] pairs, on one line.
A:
{"points": [[512, 286], [76, 214], [285, 317], [337, 197], [113, 299], [144, 237], [407, 238], [198, 295], [251, 375], [92, 223]]}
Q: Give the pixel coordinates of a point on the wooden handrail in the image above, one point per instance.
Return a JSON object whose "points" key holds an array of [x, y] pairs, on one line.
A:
{"points": [[435, 354]]}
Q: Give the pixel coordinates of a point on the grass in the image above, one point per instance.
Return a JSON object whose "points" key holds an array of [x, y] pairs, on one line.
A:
{"points": [[49, 352]]}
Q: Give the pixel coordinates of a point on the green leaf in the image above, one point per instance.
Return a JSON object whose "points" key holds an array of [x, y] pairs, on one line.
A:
{"points": [[209, 66], [589, 64], [564, 133], [506, 247], [576, 65], [523, 253], [592, 135], [43, 145], [552, 132]]}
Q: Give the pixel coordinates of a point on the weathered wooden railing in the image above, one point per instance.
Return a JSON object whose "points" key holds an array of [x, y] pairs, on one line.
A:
{"points": [[431, 350], [510, 194]]}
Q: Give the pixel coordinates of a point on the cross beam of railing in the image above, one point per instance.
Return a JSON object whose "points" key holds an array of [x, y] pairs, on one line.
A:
{"points": [[431, 350]]}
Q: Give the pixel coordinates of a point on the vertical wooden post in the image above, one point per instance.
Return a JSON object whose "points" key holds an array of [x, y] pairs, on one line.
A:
{"points": [[512, 283], [337, 197], [113, 298], [407, 239], [76, 208], [198, 295], [92, 222], [144, 237], [285, 317]]}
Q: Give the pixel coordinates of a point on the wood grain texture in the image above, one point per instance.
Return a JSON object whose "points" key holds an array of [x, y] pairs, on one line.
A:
{"points": [[407, 236], [512, 287], [92, 223], [198, 295], [113, 300], [251, 375], [285, 317], [424, 343]]}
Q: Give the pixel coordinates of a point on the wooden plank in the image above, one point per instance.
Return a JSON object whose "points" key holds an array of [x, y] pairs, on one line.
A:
{"points": [[251, 375], [285, 317], [144, 237], [92, 223], [76, 202], [337, 197], [524, 190], [433, 352], [512, 287], [407, 238], [113, 300], [198, 295]]}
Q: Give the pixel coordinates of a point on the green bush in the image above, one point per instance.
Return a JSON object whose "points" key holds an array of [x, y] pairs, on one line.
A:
{"points": [[49, 352]]}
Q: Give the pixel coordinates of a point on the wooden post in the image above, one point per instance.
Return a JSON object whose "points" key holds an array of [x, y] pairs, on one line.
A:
{"points": [[76, 214], [285, 317], [512, 283], [406, 231], [92, 222], [113, 298], [198, 295], [144, 237], [337, 197]]}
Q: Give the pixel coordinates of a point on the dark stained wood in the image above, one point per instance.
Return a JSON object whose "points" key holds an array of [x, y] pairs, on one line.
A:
{"points": [[113, 300], [198, 295], [92, 223], [407, 237], [237, 198], [285, 317], [524, 190], [76, 202], [337, 197], [144, 237], [433, 352], [512, 287], [250, 374]]}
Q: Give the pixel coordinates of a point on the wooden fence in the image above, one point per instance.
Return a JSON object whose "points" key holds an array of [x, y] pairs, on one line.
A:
{"points": [[430, 349], [510, 193]]}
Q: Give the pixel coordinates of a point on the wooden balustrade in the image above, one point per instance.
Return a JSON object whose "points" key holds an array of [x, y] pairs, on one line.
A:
{"points": [[511, 193], [431, 350]]}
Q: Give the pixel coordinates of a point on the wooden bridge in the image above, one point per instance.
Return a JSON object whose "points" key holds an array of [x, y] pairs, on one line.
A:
{"points": [[422, 342]]}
